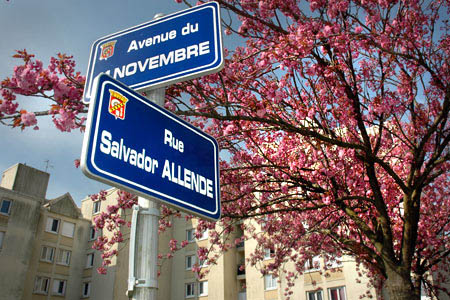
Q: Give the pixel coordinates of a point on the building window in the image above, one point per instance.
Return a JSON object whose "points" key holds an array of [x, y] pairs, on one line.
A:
{"points": [[204, 235], [86, 289], [64, 257], [5, 207], [96, 207], [59, 287], [92, 234], [68, 229], [2, 236], [203, 263], [203, 288], [90, 260], [270, 282], [312, 264], [335, 262], [41, 285], [190, 290], [337, 293], [52, 225], [190, 235], [190, 261], [268, 253], [47, 254], [314, 295]]}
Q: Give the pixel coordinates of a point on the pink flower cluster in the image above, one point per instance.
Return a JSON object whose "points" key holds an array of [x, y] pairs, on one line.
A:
{"points": [[59, 84]]}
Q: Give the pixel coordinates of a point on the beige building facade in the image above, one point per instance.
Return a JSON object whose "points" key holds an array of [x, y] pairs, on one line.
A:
{"points": [[225, 280], [46, 253], [42, 242]]}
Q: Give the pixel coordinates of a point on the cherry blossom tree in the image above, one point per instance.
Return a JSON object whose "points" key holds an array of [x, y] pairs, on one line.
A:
{"points": [[334, 119]]}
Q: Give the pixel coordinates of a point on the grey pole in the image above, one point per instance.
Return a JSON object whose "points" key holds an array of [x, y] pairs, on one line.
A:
{"points": [[143, 266], [146, 247]]}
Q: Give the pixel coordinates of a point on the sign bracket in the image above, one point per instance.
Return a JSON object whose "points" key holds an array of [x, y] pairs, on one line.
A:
{"points": [[134, 282]]}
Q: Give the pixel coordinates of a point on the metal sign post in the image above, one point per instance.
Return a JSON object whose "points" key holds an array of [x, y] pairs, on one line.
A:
{"points": [[143, 254]]}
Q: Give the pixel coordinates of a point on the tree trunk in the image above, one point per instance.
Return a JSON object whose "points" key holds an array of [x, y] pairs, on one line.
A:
{"points": [[399, 286]]}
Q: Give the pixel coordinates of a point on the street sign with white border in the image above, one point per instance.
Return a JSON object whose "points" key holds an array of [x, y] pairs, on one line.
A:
{"points": [[170, 49], [134, 144]]}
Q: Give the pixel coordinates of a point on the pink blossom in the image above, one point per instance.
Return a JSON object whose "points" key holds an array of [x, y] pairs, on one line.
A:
{"points": [[28, 118]]}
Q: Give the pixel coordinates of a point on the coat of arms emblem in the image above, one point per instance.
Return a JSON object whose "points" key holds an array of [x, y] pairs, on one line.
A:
{"points": [[117, 104], [107, 50]]}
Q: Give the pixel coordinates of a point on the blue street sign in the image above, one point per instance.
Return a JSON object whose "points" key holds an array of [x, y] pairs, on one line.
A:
{"points": [[173, 48], [134, 144]]}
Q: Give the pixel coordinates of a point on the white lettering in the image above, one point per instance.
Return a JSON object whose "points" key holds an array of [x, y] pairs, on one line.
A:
{"points": [[209, 188], [185, 30], [119, 72], [180, 54], [204, 48], [168, 137], [202, 185], [142, 66], [105, 146], [188, 179], [172, 141], [115, 149], [131, 69], [195, 182], [126, 153], [133, 46], [166, 170], [149, 41], [133, 157], [192, 51], [165, 60], [194, 29], [153, 62], [161, 60], [111, 147]]}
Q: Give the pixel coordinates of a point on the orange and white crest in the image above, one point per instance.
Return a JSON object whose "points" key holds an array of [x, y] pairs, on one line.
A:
{"points": [[107, 50], [117, 104]]}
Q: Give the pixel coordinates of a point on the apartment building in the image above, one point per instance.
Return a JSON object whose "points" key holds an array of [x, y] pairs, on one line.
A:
{"points": [[42, 242], [177, 281], [46, 253], [226, 280]]}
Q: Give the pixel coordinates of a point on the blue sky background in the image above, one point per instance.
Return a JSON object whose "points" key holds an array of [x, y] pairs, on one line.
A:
{"points": [[45, 28]]}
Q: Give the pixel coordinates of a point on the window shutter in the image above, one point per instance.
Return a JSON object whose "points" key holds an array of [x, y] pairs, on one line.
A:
{"points": [[49, 224], [68, 229]]}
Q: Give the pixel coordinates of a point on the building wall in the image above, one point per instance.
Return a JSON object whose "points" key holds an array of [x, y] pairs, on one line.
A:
{"points": [[25, 187], [224, 281], [20, 229], [26, 180], [26, 234], [55, 269], [102, 286]]}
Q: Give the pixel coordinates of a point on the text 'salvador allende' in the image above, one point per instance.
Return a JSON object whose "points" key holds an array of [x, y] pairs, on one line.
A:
{"points": [[118, 149]]}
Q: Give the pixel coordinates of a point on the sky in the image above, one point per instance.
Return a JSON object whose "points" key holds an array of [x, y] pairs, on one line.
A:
{"points": [[46, 28]]}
